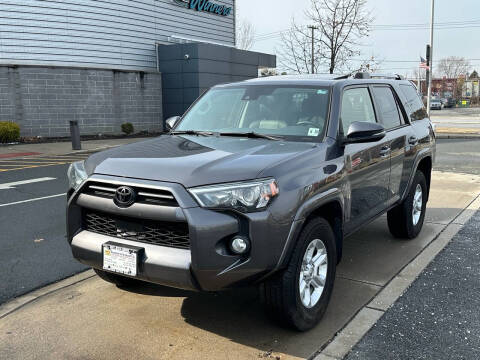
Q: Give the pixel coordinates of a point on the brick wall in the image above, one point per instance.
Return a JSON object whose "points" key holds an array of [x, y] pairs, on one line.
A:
{"points": [[42, 100]]}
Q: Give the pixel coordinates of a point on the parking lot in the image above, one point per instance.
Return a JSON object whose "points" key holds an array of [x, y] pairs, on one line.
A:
{"points": [[93, 319]]}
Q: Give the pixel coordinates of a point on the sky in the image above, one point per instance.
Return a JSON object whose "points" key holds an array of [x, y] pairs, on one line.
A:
{"points": [[457, 33]]}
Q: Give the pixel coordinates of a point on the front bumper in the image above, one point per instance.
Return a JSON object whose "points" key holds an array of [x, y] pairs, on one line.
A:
{"points": [[207, 265], [167, 266]]}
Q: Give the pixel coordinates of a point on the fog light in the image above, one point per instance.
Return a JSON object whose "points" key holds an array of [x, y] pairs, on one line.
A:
{"points": [[239, 246]]}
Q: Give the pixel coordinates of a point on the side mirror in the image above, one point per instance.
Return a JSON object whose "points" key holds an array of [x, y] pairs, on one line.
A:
{"points": [[363, 132], [171, 122]]}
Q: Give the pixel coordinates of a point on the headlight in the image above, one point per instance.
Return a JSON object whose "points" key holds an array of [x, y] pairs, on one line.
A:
{"points": [[246, 196], [76, 174]]}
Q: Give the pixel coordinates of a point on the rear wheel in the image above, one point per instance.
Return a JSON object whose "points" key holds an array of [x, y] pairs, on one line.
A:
{"points": [[406, 219], [299, 295], [120, 281]]}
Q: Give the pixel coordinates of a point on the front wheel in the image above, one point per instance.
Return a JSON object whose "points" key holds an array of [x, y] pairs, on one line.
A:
{"points": [[299, 295], [406, 219]]}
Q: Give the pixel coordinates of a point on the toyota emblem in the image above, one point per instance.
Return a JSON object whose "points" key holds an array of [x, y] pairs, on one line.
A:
{"points": [[124, 196]]}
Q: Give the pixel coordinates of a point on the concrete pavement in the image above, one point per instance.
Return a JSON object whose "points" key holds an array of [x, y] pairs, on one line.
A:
{"points": [[93, 319]]}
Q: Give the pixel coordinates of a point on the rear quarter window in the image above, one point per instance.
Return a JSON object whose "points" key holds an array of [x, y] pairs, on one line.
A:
{"points": [[414, 104]]}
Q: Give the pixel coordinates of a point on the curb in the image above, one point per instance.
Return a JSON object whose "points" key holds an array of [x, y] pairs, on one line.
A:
{"points": [[362, 322], [100, 148], [457, 136], [26, 299]]}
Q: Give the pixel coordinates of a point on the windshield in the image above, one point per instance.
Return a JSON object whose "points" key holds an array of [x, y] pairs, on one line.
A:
{"points": [[271, 110]]}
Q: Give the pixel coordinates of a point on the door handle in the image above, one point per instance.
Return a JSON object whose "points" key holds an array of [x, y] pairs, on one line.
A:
{"points": [[385, 151], [413, 140]]}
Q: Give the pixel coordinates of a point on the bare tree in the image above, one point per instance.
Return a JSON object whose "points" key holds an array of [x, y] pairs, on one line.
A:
{"points": [[452, 67], [296, 52], [416, 74], [245, 35], [370, 65], [341, 24]]}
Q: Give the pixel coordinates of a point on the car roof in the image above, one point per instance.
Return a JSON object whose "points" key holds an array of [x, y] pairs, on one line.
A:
{"points": [[313, 80]]}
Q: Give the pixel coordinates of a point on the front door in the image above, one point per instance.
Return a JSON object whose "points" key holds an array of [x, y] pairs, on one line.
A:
{"points": [[368, 164]]}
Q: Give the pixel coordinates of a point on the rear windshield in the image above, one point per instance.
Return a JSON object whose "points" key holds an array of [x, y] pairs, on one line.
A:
{"points": [[287, 111]]}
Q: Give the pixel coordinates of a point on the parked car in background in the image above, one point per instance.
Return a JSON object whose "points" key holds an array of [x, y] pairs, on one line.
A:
{"points": [[436, 104], [450, 103], [257, 183]]}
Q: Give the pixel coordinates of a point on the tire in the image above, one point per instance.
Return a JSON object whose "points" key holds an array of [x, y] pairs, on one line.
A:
{"points": [[401, 220], [281, 294], [120, 281]]}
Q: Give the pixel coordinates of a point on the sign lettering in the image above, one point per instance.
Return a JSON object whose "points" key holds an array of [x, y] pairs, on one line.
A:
{"points": [[205, 6]]}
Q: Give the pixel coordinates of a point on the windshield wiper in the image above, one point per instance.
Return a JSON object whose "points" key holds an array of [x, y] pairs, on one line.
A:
{"points": [[251, 134], [192, 132]]}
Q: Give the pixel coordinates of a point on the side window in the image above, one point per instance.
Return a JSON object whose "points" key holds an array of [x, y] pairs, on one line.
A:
{"points": [[387, 107], [414, 103], [356, 106]]}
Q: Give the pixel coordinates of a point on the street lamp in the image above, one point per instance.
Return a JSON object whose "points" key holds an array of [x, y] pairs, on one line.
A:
{"points": [[429, 98]]}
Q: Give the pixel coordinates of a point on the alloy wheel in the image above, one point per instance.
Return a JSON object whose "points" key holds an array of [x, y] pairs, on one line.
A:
{"points": [[417, 205], [313, 273]]}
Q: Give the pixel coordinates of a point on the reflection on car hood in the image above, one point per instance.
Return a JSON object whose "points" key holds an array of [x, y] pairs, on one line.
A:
{"points": [[193, 161]]}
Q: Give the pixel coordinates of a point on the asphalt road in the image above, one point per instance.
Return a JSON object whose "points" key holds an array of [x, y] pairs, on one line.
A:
{"points": [[438, 317], [33, 248], [462, 156], [34, 251], [457, 118]]}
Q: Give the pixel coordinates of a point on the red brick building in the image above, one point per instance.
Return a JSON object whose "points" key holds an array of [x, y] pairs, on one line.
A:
{"points": [[443, 88]]}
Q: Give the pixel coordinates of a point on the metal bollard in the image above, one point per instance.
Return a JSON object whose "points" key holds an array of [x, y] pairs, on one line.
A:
{"points": [[75, 134]]}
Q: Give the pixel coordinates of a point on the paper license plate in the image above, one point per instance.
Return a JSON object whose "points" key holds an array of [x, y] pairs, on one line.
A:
{"points": [[120, 259]]}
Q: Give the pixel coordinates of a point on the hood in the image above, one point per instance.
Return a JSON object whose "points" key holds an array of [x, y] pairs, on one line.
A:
{"points": [[194, 161]]}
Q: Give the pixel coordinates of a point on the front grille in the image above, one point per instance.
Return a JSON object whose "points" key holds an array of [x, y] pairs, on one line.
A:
{"points": [[168, 234], [144, 195]]}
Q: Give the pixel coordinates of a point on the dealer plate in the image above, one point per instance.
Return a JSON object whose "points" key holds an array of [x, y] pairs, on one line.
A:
{"points": [[120, 259]]}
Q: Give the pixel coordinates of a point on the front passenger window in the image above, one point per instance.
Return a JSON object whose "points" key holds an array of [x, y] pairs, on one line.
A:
{"points": [[356, 106]]}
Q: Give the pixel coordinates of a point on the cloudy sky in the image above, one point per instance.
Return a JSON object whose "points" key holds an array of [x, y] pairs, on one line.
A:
{"points": [[400, 47]]}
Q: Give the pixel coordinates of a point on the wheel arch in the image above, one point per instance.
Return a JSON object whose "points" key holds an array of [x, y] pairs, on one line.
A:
{"points": [[424, 163], [330, 205], [331, 211], [425, 166]]}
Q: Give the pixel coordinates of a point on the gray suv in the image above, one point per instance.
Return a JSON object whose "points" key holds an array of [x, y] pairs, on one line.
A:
{"points": [[258, 183]]}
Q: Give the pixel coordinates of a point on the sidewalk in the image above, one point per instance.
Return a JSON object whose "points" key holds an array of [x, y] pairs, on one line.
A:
{"points": [[65, 147], [438, 317]]}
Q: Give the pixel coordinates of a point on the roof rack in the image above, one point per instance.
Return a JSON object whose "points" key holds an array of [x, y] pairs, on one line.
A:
{"points": [[364, 75]]}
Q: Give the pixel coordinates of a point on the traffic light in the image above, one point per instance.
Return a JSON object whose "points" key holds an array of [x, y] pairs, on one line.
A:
{"points": [[428, 55]]}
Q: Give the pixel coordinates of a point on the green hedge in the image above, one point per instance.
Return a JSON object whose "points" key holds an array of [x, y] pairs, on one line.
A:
{"points": [[127, 128], [9, 132]]}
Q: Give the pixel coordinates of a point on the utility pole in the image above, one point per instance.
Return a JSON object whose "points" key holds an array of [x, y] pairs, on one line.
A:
{"points": [[313, 28], [429, 99], [419, 81]]}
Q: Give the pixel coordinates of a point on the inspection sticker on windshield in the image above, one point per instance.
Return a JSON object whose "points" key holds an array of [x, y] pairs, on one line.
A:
{"points": [[313, 131]]}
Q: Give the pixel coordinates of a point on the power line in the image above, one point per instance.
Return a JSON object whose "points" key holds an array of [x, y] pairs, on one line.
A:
{"points": [[389, 27]]}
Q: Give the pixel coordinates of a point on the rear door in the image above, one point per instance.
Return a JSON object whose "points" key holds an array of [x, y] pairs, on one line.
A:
{"points": [[367, 164], [399, 134]]}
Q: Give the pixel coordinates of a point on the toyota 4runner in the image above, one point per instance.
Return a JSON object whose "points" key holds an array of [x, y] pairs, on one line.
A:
{"points": [[258, 182]]}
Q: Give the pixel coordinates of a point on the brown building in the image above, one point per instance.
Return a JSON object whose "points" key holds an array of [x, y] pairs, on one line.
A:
{"points": [[443, 88]]}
